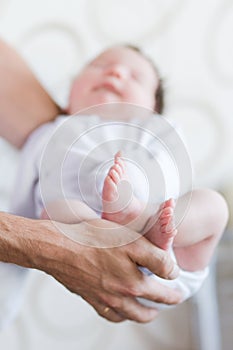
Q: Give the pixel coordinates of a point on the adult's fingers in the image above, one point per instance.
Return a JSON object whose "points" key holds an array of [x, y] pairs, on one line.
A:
{"points": [[120, 308], [158, 261], [153, 290], [135, 311], [106, 311]]}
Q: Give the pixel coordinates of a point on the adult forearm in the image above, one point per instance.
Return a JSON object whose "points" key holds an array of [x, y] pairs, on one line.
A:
{"points": [[21, 240], [24, 102]]}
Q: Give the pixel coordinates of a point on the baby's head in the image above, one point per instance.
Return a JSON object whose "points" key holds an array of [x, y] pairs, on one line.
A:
{"points": [[119, 74]]}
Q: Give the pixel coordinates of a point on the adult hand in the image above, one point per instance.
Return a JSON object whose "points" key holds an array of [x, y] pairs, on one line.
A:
{"points": [[107, 278]]}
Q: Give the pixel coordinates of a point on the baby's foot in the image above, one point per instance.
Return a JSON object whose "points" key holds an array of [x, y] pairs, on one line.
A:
{"points": [[121, 207], [163, 231]]}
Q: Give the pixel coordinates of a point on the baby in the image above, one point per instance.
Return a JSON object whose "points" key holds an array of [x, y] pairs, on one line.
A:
{"points": [[119, 75]]}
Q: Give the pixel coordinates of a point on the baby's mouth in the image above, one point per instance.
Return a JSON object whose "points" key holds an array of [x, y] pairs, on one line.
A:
{"points": [[109, 87]]}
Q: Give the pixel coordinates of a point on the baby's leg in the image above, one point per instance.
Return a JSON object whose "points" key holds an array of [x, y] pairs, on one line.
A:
{"points": [[201, 228], [68, 212], [135, 214]]}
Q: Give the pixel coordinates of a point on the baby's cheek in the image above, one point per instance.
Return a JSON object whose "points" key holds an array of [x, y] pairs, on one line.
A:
{"points": [[132, 95]]}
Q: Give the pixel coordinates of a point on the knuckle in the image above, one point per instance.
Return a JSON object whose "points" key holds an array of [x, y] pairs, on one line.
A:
{"points": [[170, 297], [175, 298], [108, 285], [115, 303], [104, 299], [108, 300], [167, 298], [133, 290], [146, 317]]}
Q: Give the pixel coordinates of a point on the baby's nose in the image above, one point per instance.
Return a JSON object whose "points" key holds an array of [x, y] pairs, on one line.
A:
{"points": [[118, 70]]}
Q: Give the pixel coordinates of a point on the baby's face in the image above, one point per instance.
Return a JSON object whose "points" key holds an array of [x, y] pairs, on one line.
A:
{"points": [[117, 75]]}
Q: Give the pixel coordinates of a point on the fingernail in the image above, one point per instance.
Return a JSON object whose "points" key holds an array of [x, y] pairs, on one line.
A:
{"points": [[175, 272]]}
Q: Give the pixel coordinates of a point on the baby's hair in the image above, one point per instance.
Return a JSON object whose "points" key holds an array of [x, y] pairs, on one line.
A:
{"points": [[159, 93]]}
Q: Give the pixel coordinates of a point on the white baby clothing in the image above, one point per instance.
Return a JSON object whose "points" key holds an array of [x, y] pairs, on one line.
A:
{"points": [[73, 155]]}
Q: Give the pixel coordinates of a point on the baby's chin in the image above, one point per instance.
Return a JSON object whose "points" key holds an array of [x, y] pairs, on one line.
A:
{"points": [[98, 99], [105, 97]]}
